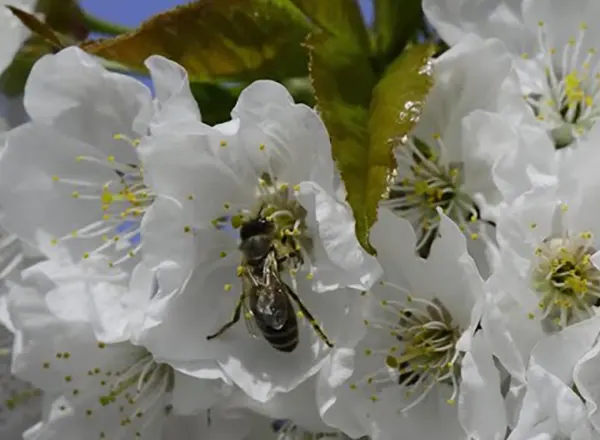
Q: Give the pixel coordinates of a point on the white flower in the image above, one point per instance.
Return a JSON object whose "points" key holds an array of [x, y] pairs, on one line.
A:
{"points": [[447, 161], [551, 410], [72, 175], [102, 390], [555, 51], [268, 173], [13, 32], [419, 356], [542, 299], [273, 158]]}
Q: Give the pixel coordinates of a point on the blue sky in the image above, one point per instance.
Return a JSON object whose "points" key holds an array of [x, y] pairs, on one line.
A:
{"points": [[131, 12]]}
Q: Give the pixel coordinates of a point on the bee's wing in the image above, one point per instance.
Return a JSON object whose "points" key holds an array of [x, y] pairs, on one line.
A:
{"points": [[273, 304], [249, 289]]}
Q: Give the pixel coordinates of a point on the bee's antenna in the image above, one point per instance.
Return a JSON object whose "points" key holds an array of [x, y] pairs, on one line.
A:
{"points": [[263, 205]]}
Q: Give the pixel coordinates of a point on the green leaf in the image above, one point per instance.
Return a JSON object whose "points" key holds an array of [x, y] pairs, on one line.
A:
{"points": [[218, 39], [337, 18], [14, 78], [214, 101], [64, 17], [38, 27], [343, 80], [364, 115], [395, 22], [396, 107]]}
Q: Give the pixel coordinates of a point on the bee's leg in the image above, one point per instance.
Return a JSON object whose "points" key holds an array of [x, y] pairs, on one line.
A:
{"points": [[235, 318], [310, 317]]}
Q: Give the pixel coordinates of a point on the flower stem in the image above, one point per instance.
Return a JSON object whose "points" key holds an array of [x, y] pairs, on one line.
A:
{"points": [[95, 24]]}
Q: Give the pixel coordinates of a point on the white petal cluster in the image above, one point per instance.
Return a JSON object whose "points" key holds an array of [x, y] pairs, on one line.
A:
{"points": [[167, 279]]}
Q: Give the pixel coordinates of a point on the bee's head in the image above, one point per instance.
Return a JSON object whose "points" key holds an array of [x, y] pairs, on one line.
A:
{"points": [[256, 238], [256, 226]]}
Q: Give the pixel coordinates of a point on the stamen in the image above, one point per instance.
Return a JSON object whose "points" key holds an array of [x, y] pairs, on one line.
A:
{"points": [[123, 199], [565, 278], [425, 356], [568, 104], [430, 183]]}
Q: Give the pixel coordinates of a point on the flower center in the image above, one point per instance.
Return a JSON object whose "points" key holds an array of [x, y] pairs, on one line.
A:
{"points": [[425, 355], [430, 183], [568, 103], [123, 201], [275, 202], [565, 278]]}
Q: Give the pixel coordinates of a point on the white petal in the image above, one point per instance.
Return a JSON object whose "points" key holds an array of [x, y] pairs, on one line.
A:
{"points": [[74, 93], [481, 407], [558, 353], [586, 376], [176, 104], [192, 395], [333, 224], [455, 19], [501, 340]]}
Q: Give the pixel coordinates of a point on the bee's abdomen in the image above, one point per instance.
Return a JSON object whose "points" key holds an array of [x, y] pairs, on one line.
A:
{"points": [[286, 338]]}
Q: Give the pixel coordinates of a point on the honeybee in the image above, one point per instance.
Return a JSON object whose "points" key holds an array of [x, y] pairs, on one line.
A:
{"points": [[265, 296]]}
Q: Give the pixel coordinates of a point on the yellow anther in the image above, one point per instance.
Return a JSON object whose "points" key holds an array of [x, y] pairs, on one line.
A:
{"points": [[55, 178], [573, 88], [227, 287], [110, 158], [75, 194], [187, 229], [86, 255], [54, 242], [106, 197], [223, 143], [261, 147]]}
